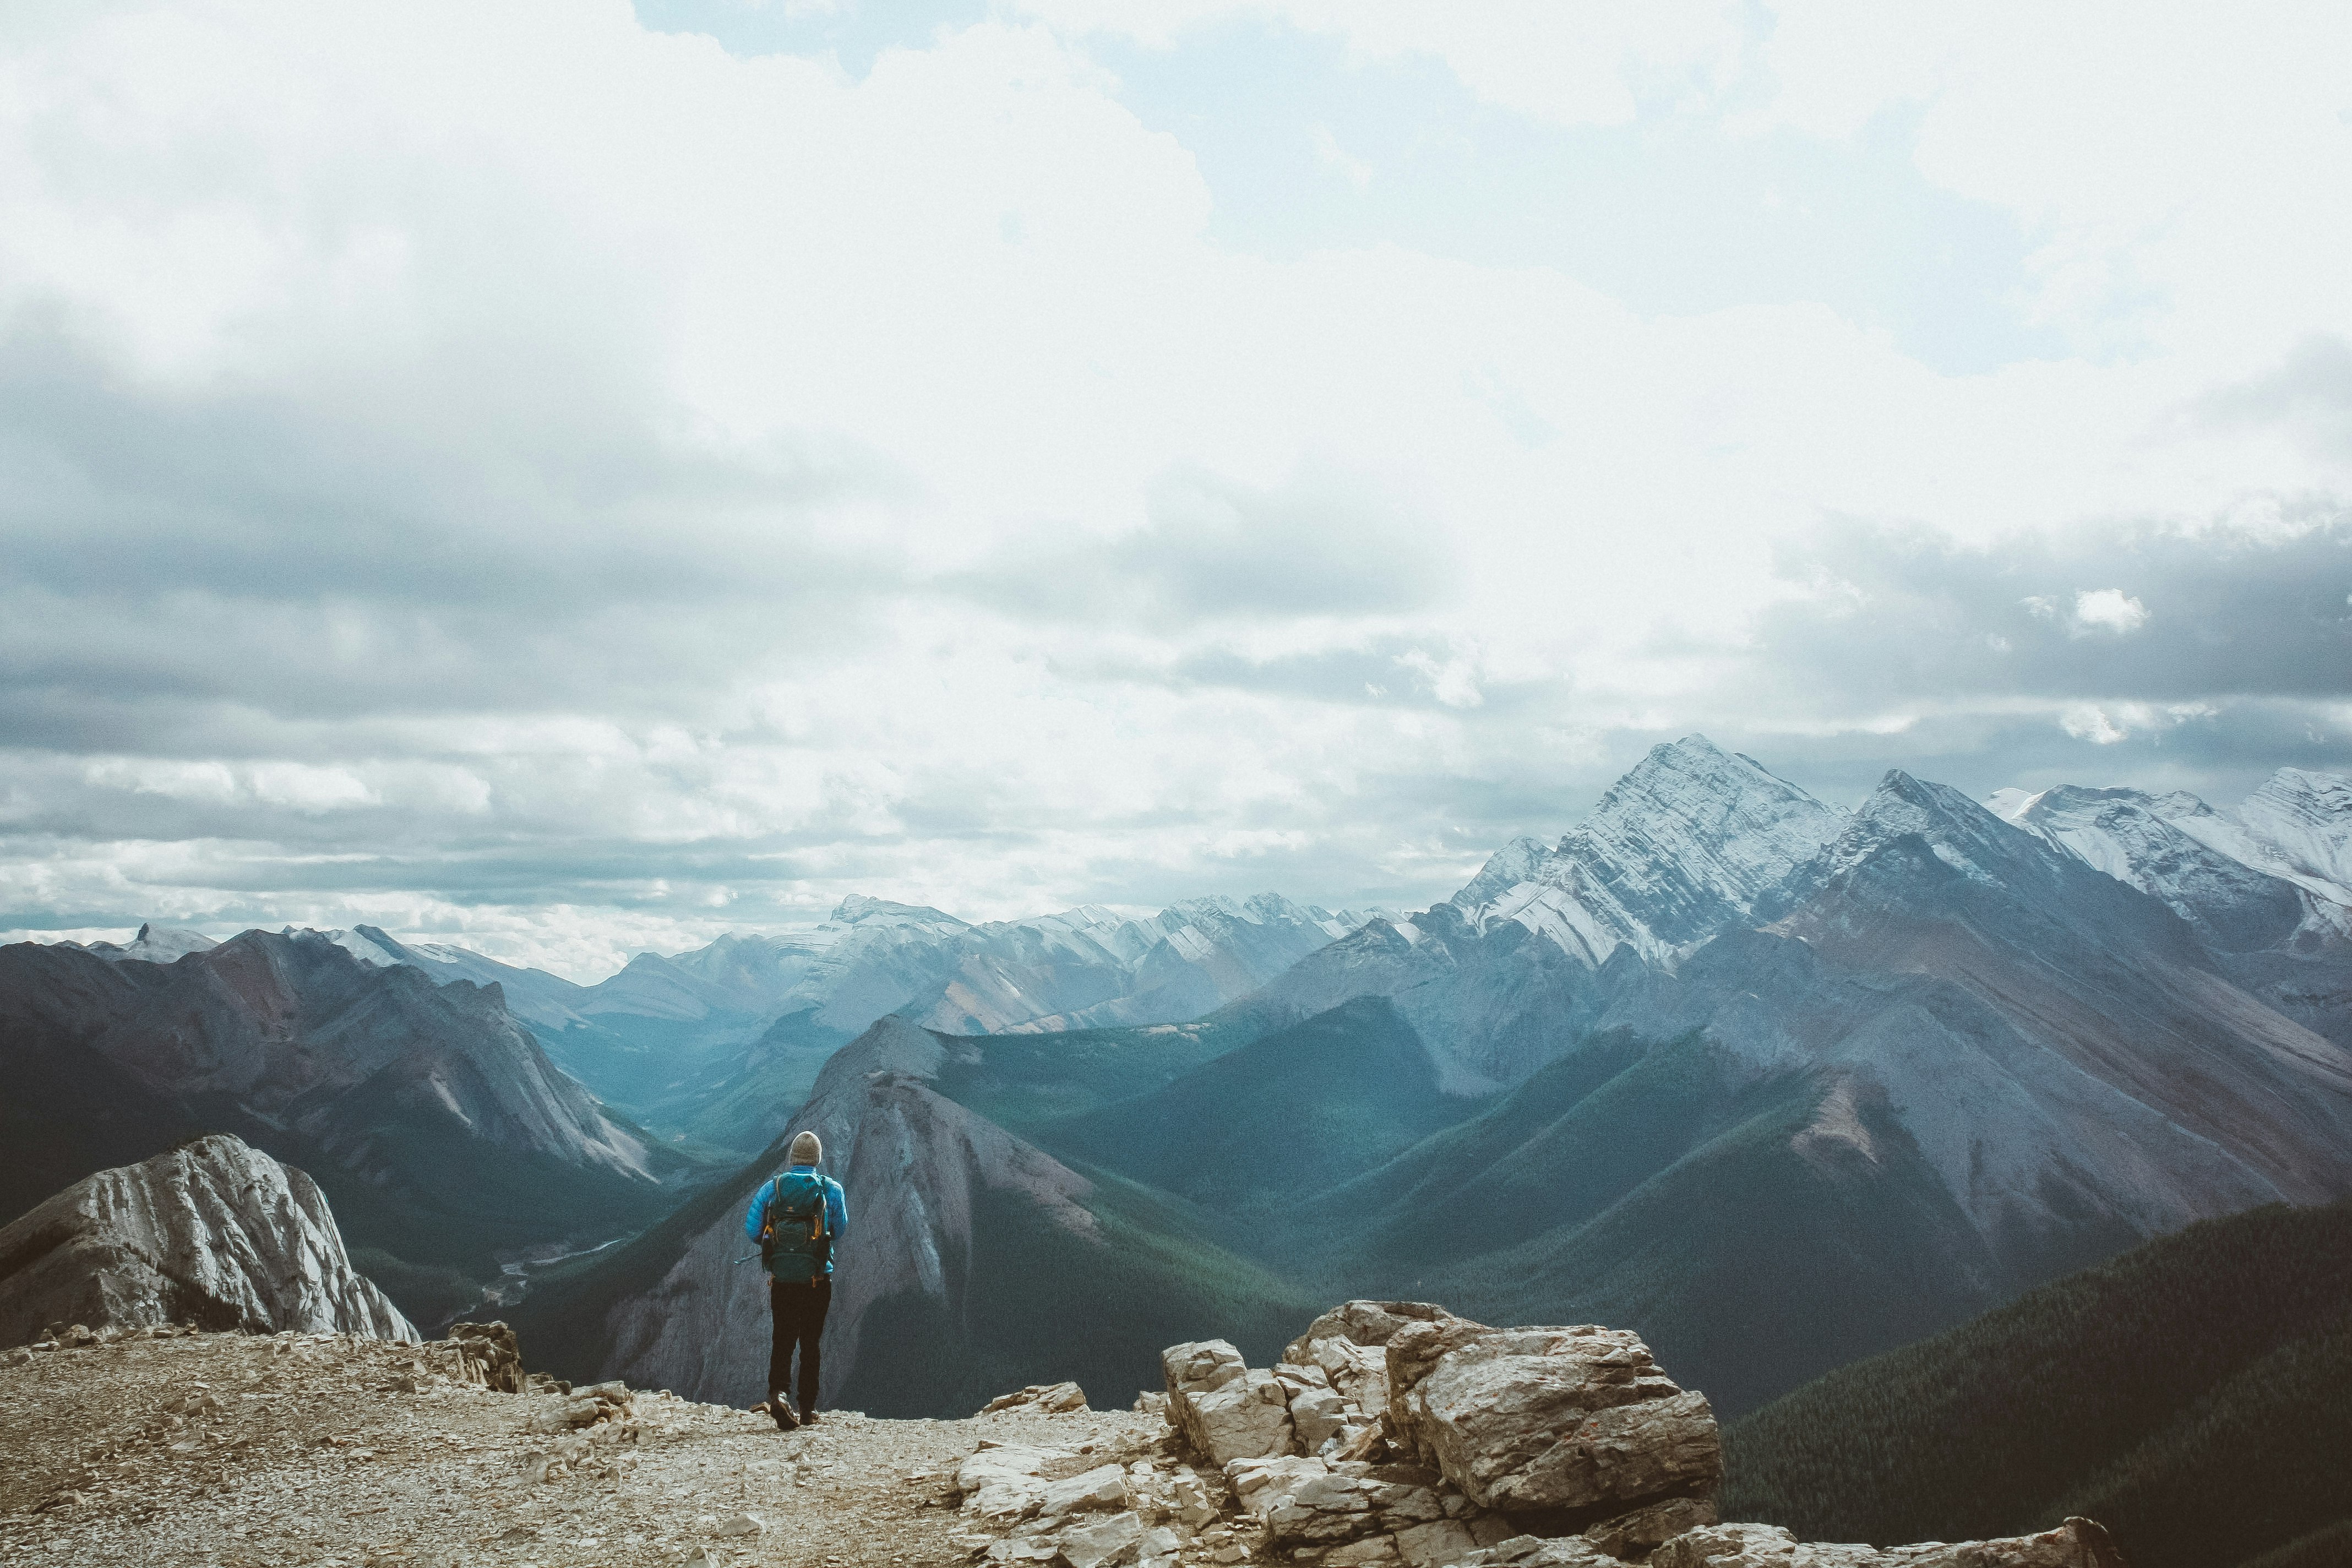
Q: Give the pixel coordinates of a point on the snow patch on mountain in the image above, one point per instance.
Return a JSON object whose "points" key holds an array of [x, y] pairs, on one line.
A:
{"points": [[2273, 874]]}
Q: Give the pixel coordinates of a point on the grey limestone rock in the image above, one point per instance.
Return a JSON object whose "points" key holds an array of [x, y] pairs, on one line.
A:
{"points": [[213, 1233], [1411, 1352], [2077, 1544], [1362, 1323], [1226, 1410], [1052, 1398], [1535, 1552], [1107, 1543], [1562, 1418], [1633, 1536]]}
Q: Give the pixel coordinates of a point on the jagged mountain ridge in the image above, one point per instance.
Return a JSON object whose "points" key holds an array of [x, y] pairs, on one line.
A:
{"points": [[1680, 847], [2263, 885], [214, 1234], [153, 944]]}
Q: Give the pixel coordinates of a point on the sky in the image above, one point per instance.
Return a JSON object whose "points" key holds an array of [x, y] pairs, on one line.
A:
{"points": [[573, 477]]}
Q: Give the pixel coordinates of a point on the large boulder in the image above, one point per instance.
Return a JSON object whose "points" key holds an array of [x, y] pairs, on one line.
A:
{"points": [[1545, 1420], [1410, 1355], [1225, 1409], [2077, 1544]]}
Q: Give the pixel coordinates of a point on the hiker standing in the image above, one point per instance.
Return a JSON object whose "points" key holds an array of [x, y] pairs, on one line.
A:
{"points": [[796, 1218]]}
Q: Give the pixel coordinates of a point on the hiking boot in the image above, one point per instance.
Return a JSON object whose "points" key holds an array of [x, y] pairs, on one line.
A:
{"points": [[808, 1416], [786, 1422]]}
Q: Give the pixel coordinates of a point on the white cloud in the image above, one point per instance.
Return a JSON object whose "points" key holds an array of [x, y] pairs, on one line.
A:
{"points": [[2108, 610], [2088, 722]]}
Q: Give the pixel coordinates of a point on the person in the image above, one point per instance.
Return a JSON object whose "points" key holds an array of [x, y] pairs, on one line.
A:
{"points": [[798, 1218]]}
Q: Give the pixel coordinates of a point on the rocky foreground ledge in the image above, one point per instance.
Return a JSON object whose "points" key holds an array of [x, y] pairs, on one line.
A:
{"points": [[1392, 1433], [1396, 1434]]}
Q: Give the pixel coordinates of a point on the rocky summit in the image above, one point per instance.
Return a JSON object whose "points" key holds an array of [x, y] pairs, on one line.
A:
{"points": [[1392, 1433], [213, 1233]]}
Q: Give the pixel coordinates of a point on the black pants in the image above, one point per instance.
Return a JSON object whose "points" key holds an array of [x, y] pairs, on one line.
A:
{"points": [[799, 1319]]}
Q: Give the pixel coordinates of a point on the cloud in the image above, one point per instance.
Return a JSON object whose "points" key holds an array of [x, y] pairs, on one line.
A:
{"points": [[1332, 156], [2253, 626], [2108, 610], [513, 476]]}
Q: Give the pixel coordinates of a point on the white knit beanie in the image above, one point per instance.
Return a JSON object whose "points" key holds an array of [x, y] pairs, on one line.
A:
{"points": [[806, 1149]]}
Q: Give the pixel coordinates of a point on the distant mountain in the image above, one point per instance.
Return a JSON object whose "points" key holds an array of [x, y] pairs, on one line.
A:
{"points": [[154, 944], [434, 1120], [2267, 888], [213, 1234], [2194, 1395], [974, 1261], [539, 999], [724, 1041]]}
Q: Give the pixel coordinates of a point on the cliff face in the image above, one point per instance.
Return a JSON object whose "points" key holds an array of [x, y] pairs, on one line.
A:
{"points": [[214, 1234]]}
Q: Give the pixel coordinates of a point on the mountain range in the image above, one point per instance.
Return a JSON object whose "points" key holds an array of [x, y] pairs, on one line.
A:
{"points": [[721, 1043], [1776, 1083]]}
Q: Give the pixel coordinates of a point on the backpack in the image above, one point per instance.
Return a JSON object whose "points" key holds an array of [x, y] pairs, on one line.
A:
{"points": [[794, 1242]]}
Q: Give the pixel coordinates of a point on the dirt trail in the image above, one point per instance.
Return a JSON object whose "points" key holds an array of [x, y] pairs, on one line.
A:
{"points": [[222, 1449]]}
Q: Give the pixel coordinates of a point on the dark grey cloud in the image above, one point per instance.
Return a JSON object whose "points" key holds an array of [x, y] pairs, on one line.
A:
{"points": [[217, 558], [1903, 615]]}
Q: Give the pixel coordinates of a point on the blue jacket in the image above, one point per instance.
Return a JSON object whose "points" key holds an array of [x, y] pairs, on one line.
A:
{"points": [[837, 1212]]}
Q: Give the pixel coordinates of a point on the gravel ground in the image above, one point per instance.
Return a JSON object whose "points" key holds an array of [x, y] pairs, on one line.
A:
{"points": [[221, 1448]]}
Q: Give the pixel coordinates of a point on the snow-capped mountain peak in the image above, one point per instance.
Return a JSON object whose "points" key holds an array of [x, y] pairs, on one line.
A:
{"points": [[2264, 877], [1679, 849]]}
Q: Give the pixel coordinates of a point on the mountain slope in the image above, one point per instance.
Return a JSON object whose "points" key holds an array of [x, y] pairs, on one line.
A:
{"points": [[1296, 1111], [2212, 1365]]}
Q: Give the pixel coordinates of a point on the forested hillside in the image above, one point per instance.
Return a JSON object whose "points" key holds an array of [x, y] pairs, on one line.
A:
{"points": [[2194, 1395]]}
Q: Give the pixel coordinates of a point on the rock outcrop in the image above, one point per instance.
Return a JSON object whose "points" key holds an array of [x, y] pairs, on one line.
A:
{"points": [[214, 1234], [1487, 1447], [1396, 1431], [1226, 1410], [493, 1346], [1578, 1419]]}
